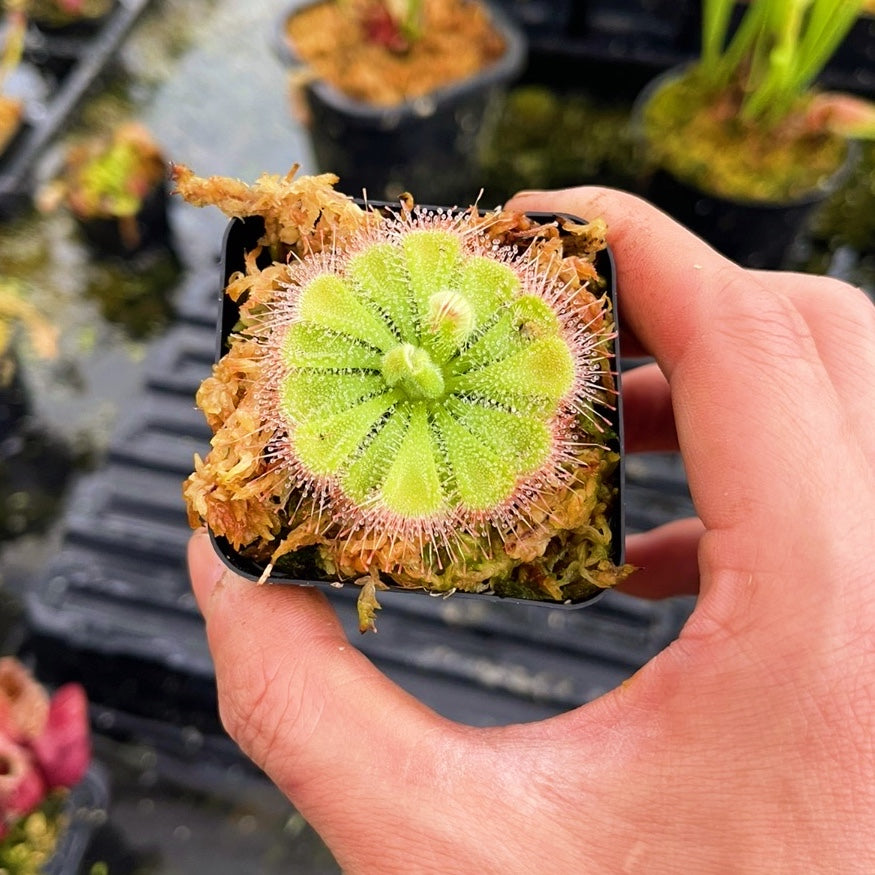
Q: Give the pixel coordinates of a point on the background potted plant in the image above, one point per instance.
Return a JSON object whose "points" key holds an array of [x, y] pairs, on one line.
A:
{"points": [[64, 15], [114, 185], [398, 93], [45, 752], [16, 310], [741, 144], [11, 108]]}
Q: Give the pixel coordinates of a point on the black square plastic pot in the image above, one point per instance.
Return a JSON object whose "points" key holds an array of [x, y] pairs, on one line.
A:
{"points": [[755, 235], [241, 236], [429, 145]]}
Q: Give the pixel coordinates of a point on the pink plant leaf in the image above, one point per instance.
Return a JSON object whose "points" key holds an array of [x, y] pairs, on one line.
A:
{"points": [[63, 751], [842, 114], [22, 787]]}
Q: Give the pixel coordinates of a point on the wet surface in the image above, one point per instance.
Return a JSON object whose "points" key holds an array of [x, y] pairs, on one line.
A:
{"points": [[203, 76]]}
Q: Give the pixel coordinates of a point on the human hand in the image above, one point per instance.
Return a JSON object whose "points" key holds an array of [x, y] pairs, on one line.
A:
{"points": [[749, 743]]}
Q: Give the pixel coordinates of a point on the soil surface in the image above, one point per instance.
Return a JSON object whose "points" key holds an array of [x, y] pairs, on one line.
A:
{"points": [[457, 41]]}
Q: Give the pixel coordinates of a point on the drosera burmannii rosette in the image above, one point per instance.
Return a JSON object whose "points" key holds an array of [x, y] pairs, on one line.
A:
{"points": [[416, 398]]}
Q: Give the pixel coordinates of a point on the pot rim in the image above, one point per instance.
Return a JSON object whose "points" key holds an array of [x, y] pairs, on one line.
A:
{"points": [[503, 69]]}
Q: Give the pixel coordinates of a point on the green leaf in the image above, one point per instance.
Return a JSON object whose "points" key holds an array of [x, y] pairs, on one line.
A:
{"points": [[328, 301], [494, 344], [715, 22], [524, 439], [379, 274], [311, 346], [366, 474], [487, 285], [535, 378], [527, 318], [432, 259], [828, 26], [482, 476], [412, 488], [306, 394], [326, 445]]}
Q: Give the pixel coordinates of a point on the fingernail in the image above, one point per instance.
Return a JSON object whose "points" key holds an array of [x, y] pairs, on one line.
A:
{"points": [[205, 568]]}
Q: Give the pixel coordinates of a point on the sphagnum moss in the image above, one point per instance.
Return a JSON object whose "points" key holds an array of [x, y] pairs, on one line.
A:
{"points": [[419, 402]]}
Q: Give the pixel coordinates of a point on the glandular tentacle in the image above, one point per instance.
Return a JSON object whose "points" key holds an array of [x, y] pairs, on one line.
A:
{"points": [[426, 384]]}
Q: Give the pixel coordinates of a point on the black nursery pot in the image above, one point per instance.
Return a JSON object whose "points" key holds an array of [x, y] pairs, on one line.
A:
{"points": [[241, 236], [756, 234], [85, 807], [429, 145], [105, 236]]}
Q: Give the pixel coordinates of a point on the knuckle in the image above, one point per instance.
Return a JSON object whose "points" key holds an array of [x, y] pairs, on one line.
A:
{"points": [[252, 706], [263, 708], [759, 324]]}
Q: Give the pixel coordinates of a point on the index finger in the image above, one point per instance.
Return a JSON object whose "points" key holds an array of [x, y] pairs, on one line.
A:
{"points": [[754, 403], [660, 266]]}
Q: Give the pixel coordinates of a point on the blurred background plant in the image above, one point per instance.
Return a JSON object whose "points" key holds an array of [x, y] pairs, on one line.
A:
{"points": [[45, 750], [11, 52], [385, 52], [393, 24], [775, 54], [108, 175], [17, 312], [745, 119], [59, 13], [111, 178]]}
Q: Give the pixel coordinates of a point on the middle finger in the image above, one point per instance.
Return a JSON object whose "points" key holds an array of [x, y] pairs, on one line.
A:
{"points": [[648, 417]]}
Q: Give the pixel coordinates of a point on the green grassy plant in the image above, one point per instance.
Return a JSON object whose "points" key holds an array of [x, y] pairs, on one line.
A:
{"points": [[777, 51], [746, 120]]}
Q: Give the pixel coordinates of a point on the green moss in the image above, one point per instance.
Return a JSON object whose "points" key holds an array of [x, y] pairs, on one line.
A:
{"points": [[547, 139], [699, 136], [848, 217]]}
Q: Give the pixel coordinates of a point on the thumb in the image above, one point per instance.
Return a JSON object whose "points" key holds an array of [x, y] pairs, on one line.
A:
{"points": [[311, 710]]}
